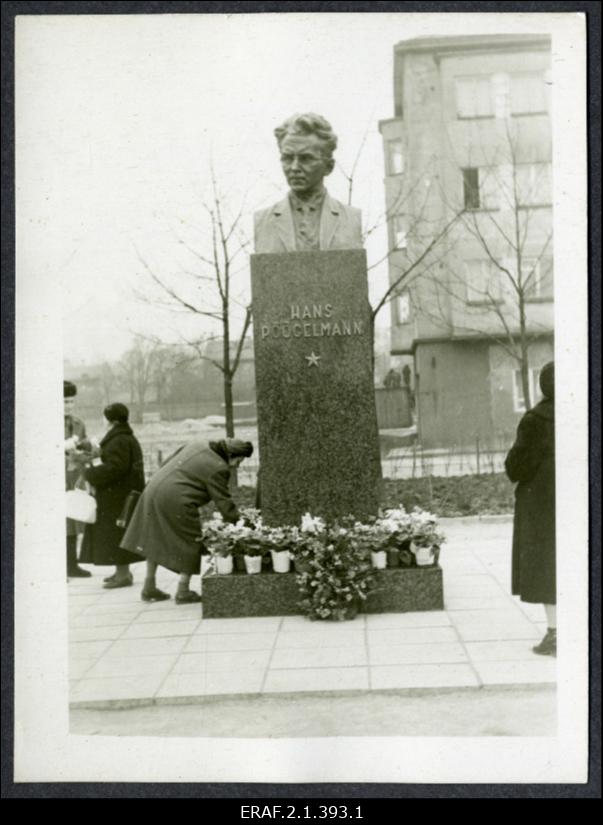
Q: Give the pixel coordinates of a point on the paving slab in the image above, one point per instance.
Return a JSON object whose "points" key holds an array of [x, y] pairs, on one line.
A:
{"points": [[111, 665], [216, 683], [124, 652], [302, 640], [317, 679], [423, 675], [438, 653], [229, 661]]}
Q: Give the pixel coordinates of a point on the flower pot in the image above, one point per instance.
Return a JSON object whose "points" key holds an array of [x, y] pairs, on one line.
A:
{"points": [[423, 556], [253, 564], [407, 559], [379, 559], [393, 557], [239, 563], [224, 565], [281, 561]]}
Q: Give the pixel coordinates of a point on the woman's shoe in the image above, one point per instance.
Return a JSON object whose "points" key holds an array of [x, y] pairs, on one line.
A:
{"points": [[154, 595], [190, 597], [113, 583], [548, 645], [111, 578]]}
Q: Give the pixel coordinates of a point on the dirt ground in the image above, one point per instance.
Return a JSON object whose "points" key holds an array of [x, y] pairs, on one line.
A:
{"points": [[487, 712]]}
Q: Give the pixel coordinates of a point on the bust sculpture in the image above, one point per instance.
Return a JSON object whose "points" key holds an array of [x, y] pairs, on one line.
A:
{"points": [[308, 218]]}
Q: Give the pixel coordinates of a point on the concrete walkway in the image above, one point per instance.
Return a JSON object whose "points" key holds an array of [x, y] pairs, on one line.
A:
{"points": [[125, 653]]}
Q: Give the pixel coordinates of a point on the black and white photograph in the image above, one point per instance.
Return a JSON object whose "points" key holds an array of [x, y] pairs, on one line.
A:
{"points": [[301, 398]]}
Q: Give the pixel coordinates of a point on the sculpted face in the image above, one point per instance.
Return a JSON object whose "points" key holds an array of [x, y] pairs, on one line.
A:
{"points": [[304, 163]]}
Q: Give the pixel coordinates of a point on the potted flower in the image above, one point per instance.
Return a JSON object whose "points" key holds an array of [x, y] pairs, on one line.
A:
{"points": [[220, 541], [251, 542], [252, 548], [279, 543], [370, 540], [425, 538], [396, 522], [253, 560], [223, 563]]}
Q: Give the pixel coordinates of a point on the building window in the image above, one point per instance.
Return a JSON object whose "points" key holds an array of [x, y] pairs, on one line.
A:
{"points": [[534, 184], [519, 402], [482, 279], [502, 94], [403, 308], [395, 157], [480, 189], [528, 93], [400, 232], [474, 97], [537, 278]]}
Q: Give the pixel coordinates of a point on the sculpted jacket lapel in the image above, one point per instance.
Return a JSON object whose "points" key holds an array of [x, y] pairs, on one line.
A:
{"points": [[283, 221], [328, 222]]}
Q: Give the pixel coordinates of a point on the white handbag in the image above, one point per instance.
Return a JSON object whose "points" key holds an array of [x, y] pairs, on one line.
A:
{"points": [[80, 506]]}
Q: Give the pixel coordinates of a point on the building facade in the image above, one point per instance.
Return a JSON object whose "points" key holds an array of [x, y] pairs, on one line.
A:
{"points": [[469, 203]]}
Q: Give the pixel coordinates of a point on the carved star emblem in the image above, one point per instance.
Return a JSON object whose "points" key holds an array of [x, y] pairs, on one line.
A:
{"points": [[313, 359]]}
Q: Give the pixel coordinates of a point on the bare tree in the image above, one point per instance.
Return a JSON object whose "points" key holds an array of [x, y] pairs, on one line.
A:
{"points": [[136, 366], [208, 291], [165, 361], [108, 379]]}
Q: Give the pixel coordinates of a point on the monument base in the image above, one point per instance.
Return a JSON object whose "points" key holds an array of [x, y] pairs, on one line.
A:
{"points": [[399, 590]]}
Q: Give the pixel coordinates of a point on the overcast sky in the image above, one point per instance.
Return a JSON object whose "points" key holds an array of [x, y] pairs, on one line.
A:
{"points": [[119, 116]]}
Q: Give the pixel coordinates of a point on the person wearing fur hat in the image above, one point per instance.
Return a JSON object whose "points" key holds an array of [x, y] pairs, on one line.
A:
{"points": [[531, 464], [75, 442], [119, 471], [165, 527]]}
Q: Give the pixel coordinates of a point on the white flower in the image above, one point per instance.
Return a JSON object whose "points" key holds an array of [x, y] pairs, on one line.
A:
{"points": [[390, 525], [311, 524]]}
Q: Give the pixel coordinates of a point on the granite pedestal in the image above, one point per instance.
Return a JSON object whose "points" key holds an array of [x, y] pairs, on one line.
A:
{"points": [[317, 425], [399, 590]]}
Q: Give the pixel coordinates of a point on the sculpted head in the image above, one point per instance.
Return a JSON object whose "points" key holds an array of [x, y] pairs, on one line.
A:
{"points": [[306, 144]]}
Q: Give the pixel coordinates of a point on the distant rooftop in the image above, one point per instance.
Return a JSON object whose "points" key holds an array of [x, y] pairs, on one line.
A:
{"points": [[472, 42]]}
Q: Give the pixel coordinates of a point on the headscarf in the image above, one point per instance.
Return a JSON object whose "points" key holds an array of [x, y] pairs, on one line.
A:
{"points": [[547, 380], [69, 389], [229, 448]]}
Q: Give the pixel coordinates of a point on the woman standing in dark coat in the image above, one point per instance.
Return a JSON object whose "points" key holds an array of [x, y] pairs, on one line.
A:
{"points": [[531, 463], [166, 528], [119, 471]]}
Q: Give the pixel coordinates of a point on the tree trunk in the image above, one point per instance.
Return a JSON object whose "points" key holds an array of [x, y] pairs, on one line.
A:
{"points": [[372, 334], [228, 406], [523, 348]]}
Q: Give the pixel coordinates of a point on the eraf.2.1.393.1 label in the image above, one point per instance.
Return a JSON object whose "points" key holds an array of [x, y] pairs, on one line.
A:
{"points": [[278, 812]]}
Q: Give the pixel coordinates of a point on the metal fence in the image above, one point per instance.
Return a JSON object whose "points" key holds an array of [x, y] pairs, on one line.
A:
{"points": [[402, 462]]}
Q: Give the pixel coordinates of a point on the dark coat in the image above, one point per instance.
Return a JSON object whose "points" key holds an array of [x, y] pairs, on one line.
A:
{"points": [[73, 426], [531, 463], [166, 527], [121, 471]]}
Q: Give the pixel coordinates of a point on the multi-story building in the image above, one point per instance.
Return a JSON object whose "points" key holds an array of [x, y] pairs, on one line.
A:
{"points": [[469, 204]]}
